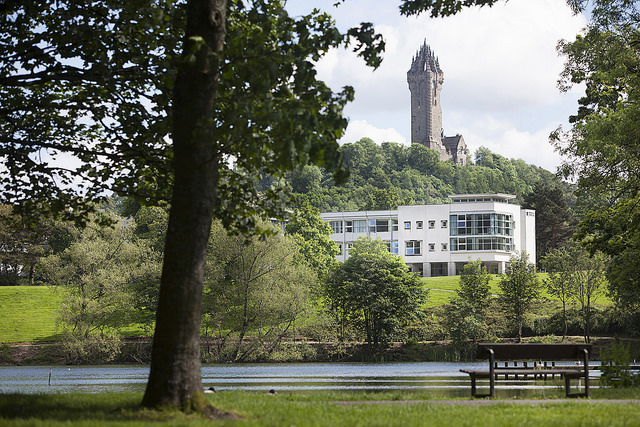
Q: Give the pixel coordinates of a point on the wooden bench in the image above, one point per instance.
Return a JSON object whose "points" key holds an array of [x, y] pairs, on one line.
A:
{"points": [[540, 355]]}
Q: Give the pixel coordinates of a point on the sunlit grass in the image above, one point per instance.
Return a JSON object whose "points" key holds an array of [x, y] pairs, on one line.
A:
{"points": [[314, 409], [29, 313], [442, 289]]}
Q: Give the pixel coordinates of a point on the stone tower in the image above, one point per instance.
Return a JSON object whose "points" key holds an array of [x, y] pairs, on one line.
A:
{"points": [[425, 80]]}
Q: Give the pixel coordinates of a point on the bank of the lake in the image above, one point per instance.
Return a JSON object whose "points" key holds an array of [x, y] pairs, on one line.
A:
{"points": [[138, 351]]}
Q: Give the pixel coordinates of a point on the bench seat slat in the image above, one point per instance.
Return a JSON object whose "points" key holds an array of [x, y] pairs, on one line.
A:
{"points": [[486, 372]]}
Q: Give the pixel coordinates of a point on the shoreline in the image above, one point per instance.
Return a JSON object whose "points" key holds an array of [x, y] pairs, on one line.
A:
{"points": [[137, 351]]}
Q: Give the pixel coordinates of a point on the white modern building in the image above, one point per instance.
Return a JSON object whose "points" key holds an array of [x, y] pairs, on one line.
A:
{"points": [[438, 240]]}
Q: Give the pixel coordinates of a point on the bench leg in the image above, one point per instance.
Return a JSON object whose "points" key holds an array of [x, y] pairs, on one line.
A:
{"points": [[585, 375], [474, 390], [473, 385], [567, 385]]}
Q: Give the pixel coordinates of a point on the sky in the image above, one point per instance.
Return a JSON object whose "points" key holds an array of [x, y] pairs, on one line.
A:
{"points": [[500, 73]]}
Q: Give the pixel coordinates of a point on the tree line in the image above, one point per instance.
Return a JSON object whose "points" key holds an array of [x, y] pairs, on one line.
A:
{"points": [[383, 176], [261, 294]]}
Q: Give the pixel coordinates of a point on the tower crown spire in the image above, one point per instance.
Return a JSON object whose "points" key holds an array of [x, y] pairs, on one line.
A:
{"points": [[425, 59]]}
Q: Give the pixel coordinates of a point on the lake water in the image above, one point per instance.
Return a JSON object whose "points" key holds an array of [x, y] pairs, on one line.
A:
{"points": [[441, 377]]}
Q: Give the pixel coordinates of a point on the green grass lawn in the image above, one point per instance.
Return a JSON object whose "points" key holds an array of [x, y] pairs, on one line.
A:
{"points": [[313, 409], [442, 289], [29, 313]]}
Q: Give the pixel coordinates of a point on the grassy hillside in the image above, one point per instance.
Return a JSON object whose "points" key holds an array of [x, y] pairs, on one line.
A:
{"points": [[29, 313]]}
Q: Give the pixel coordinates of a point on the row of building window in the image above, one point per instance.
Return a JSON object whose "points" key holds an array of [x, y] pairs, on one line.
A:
{"points": [[415, 247], [493, 243], [484, 224], [411, 247], [378, 225], [420, 224]]}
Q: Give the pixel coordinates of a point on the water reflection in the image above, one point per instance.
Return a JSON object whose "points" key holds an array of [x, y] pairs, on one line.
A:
{"points": [[442, 377]]}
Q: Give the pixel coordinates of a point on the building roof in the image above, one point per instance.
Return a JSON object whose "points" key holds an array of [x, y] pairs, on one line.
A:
{"points": [[484, 197]]}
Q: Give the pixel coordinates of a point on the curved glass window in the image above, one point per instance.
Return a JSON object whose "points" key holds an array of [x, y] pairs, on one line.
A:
{"points": [[481, 224]]}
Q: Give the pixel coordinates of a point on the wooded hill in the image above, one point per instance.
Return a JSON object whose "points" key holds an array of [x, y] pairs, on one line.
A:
{"points": [[391, 174]]}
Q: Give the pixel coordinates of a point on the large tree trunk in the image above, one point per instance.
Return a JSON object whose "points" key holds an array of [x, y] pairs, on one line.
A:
{"points": [[175, 377]]}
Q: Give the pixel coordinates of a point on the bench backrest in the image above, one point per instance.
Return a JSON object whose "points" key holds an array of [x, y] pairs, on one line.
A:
{"points": [[505, 351]]}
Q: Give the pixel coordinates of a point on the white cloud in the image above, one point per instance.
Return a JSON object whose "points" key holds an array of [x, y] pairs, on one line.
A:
{"points": [[360, 129], [503, 138]]}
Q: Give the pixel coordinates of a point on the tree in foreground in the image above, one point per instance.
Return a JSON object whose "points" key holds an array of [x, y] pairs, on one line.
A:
{"points": [[474, 285], [374, 289], [520, 287], [589, 271]]}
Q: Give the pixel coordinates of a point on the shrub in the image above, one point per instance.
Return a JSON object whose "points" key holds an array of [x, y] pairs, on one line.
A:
{"points": [[615, 366]]}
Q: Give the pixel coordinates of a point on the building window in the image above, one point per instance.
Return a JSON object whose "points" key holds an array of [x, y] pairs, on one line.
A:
{"points": [[349, 246], [443, 223], [336, 226], [445, 247], [439, 269], [340, 248], [392, 246], [419, 225], [360, 226], [378, 225], [407, 225], [412, 247], [432, 247], [432, 224], [394, 223]]}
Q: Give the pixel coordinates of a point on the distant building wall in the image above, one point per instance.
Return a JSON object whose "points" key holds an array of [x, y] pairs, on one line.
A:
{"points": [[437, 240]]}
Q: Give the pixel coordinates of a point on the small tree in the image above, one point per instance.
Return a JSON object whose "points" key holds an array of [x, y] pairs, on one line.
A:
{"points": [[463, 321], [20, 247], [257, 288], [520, 287], [313, 236], [574, 274], [96, 273], [474, 285], [465, 312], [374, 288], [561, 282], [590, 279]]}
